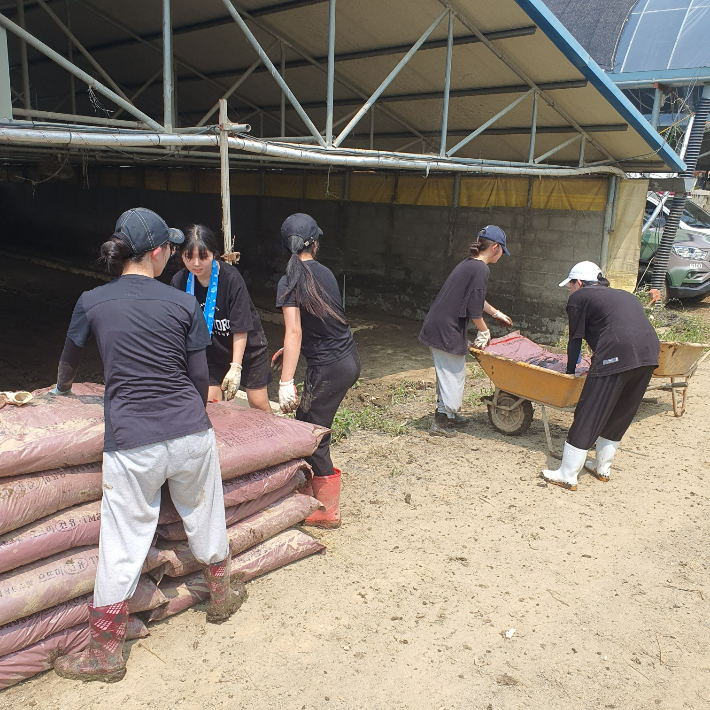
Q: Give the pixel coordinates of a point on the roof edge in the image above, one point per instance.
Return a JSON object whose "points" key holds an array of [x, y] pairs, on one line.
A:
{"points": [[543, 17]]}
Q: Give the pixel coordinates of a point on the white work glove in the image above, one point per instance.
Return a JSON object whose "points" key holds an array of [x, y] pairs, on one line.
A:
{"points": [[288, 397], [232, 380], [502, 318], [482, 339]]}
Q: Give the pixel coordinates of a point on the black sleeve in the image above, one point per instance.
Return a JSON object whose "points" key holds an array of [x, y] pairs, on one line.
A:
{"points": [[198, 337], [574, 348], [474, 304], [68, 365], [281, 298], [79, 327], [577, 321], [240, 320], [198, 373]]}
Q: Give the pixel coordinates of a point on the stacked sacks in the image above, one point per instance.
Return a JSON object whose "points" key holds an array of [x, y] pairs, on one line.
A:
{"points": [[50, 521]]}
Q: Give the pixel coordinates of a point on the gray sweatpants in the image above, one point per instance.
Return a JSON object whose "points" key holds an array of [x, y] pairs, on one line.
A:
{"points": [[450, 380], [131, 504]]}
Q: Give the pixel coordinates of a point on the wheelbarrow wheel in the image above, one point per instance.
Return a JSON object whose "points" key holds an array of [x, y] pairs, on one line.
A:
{"points": [[512, 422]]}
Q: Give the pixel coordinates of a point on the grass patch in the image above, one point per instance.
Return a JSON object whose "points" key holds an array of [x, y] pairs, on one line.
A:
{"points": [[672, 323], [371, 418]]}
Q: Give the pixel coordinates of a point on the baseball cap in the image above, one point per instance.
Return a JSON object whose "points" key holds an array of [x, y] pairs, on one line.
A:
{"points": [[145, 230], [584, 271], [495, 234], [302, 225]]}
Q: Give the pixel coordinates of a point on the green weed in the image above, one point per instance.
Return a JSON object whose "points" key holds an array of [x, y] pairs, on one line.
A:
{"points": [[371, 418]]}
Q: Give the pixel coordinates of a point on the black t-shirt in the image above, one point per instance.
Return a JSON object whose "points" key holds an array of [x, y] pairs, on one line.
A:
{"points": [[461, 298], [324, 341], [616, 327], [144, 330], [234, 313]]}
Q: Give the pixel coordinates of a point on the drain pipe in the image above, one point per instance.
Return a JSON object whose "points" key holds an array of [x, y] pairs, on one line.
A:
{"points": [[695, 138]]}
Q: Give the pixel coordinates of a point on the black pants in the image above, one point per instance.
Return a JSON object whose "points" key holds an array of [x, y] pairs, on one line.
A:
{"points": [[607, 406], [323, 390]]}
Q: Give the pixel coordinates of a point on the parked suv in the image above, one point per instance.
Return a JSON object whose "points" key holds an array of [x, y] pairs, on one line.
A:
{"points": [[689, 264]]}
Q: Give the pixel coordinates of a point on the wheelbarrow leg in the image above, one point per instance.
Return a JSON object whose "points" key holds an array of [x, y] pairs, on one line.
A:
{"points": [[550, 447]]}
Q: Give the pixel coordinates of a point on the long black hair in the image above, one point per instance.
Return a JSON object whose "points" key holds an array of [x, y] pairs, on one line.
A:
{"points": [[479, 246], [115, 252], [202, 238], [601, 281], [309, 294]]}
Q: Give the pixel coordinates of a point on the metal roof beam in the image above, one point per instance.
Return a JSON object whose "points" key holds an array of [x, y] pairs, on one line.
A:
{"points": [[514, 131]]}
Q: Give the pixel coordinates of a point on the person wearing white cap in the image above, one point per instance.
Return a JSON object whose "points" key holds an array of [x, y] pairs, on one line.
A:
{"points": [[625, 347]]}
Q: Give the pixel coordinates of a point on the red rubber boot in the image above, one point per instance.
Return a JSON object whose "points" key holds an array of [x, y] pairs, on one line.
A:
{"points": [[326, 489], [102, 659], [227, 593]]}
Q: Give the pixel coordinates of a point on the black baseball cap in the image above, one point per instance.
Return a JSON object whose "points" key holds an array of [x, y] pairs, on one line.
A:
{"points": [[145, 230], [302, 225], [495, 234]]}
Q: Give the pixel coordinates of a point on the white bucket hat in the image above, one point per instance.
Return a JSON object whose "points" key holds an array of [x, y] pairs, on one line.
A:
{"points": [[584, 271]]}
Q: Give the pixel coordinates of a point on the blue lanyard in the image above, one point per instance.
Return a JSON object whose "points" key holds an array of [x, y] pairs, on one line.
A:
{"points": [[211, 300]]}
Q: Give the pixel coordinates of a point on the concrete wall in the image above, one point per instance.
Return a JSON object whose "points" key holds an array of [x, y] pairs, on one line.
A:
{"points": [[394, 257]]}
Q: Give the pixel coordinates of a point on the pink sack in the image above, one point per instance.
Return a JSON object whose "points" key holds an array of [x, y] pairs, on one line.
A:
{"points": [[176, 531], [58, 579], [261, 526], [24, 499], [69, 528], [287, 547], [521, 349], [40, 657], [53, 431], [24, 632], [249, 487], [249, 439]]}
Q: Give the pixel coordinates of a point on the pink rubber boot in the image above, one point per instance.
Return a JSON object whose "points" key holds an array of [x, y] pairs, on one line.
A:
{"points": [[326, 489]]}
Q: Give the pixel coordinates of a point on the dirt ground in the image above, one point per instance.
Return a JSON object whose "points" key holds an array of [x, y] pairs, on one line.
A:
{"points": [[459, 579]]}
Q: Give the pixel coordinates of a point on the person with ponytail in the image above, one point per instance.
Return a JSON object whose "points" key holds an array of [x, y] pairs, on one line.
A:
{"points": [[445, 329], [238, 352], [315, 326], [152, 341], [625, 353]]}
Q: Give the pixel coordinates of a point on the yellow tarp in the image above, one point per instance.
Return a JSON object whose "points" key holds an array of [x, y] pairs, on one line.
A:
{"points": [[208, 181], [283, 185], [321, 186], [494, 192], [179, 181], [369, 187], [156, 179], [433, 191], [244, 183], [580, 194]]}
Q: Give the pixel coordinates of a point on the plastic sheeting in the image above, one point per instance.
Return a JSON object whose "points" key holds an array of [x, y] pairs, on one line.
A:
{"points": [[521, 349]]}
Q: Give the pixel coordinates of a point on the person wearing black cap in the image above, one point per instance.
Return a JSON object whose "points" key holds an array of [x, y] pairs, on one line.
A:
{"points": [[315, 325], [152, 341], [462, 298]]}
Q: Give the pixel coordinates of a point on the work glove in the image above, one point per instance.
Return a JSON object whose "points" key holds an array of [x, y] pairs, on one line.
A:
{"points": [[502, 318], [232, 380], [288, 397], [277, 361], [57, 391], [482, 339]]}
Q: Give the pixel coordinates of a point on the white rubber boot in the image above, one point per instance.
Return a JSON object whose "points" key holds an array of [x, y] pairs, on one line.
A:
{"points": [[601, 466], [566, 475]]}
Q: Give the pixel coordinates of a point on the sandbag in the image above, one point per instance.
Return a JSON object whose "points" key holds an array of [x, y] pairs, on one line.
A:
{"points": [[74, 527], [24, 632], [40, 656], [521, 349], [238, 490], [58, 579], [249, 532], [53, 431], [284, 548], [249, 439], [176, 531], [24, 499]]}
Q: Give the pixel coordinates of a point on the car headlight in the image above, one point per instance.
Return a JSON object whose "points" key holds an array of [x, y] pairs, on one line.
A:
{"points": [[690, 252]]}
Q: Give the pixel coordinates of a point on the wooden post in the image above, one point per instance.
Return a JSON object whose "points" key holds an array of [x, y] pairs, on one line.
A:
{"points": [[224, 125]]}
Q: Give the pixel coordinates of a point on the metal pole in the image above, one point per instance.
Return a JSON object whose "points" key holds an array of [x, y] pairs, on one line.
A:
{"points": [[372, 128], [582, 146], [282, 107], [167, 68], [556, 148], [82, 49], [655, 212], [489, 123], [331, 81], [70, 48], [23, 56], [140, 91], [224, 177], [65, 64], [533, 130], [5, 89], [74, 118], [400, 65], [656, 111], [273, 71], [447, 86]]}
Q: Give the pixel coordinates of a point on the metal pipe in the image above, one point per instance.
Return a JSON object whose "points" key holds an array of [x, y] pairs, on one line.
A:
{"points": [[447, 86], [65, 64], [400, 65], [74, 118], [655, 212], [331, 82], [488, 123], [272, 69], [140, 90], [656, 111], [282, 104], [23, 56], [533, 131], [5, 88], [582, 145], [247, 73], [70, 50], [556, 148], [372, 128], [224, 177], [615, 204], [298, 154], [167, 68], [82, 49]]}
